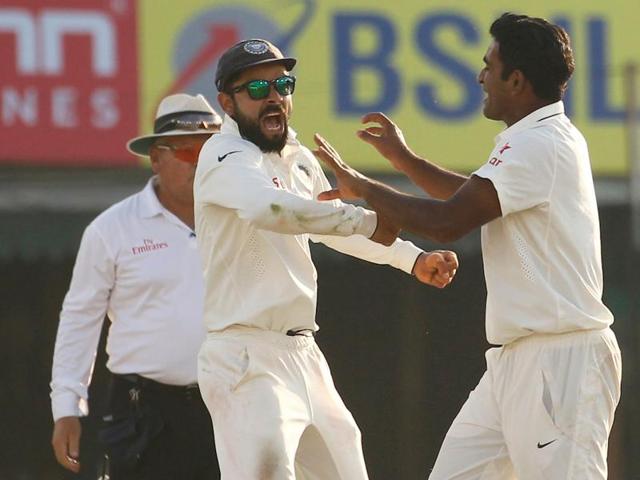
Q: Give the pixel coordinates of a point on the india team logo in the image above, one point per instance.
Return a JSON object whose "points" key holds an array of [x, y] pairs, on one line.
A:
{"points": [[255, 47]]}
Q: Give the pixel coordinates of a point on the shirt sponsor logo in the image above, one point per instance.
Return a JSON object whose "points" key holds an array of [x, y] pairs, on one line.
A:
{"points": [[149, 246], [495, 161]]}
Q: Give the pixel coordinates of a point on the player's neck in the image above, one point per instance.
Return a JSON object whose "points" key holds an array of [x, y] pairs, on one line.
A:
{"points": [[525, 109]]}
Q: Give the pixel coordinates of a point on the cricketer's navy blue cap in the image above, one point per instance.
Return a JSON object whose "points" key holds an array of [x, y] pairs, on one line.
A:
{"points": [[249, 53]]}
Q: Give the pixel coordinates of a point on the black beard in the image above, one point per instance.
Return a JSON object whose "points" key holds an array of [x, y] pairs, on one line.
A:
{"points": [[250, 130]]}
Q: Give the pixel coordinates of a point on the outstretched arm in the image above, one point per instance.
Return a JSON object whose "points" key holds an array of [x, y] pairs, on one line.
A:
{"points": [[474, 204], [433, 268], [388, 140], [240, 183]]}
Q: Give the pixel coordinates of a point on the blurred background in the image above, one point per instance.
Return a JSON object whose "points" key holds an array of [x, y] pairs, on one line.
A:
{"points": [[78, 79]]}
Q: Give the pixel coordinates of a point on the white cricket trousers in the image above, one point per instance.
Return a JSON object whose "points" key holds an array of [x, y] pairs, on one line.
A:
{"points": [[275, 410], [542, 411]]}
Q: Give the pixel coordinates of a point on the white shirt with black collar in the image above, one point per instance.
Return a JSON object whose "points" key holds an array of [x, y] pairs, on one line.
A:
{"points": [[139, 264], [542, 258], [253, 211]]}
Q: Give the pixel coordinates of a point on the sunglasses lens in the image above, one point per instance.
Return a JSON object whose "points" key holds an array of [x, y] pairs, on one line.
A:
{"points": [[285, 85], [188, 154], [258, 89]]}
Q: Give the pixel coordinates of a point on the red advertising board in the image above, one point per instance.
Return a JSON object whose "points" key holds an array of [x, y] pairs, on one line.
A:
{"points": [[68, 82]]}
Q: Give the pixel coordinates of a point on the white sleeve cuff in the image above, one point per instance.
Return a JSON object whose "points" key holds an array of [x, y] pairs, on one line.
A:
{"points": [[68, 405], [405, 255]]}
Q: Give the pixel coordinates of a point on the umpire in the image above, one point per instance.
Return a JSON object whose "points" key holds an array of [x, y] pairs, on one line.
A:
{"points": [[138, 264]]}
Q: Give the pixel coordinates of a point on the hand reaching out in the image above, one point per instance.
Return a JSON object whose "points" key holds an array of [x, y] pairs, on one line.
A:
{"points": [[350, 181], [350, 185], [386, 138]]}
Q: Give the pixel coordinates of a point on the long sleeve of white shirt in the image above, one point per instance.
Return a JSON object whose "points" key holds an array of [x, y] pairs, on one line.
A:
{"points": [[232, 175], [401, 254], [83, 312], [254, 216]]}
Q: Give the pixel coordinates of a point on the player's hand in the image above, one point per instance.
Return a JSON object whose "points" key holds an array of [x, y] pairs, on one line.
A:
{"points": [[66, 442], [385, 137], [386, 232], [350, 181], [436, 268]]}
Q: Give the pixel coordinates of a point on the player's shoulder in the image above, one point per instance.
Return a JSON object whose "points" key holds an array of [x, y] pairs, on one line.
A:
{"points": [[303, 150], [222, 146], [532, 142], [305, 157], [123, 211]]}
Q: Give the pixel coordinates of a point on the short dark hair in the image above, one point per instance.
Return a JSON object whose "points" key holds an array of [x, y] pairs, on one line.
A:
{"points": [[225, 84], [539, 49]]}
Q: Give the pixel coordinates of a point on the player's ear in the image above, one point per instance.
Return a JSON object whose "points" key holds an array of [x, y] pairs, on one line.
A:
{"points": [[517, 81], [226, 102]]}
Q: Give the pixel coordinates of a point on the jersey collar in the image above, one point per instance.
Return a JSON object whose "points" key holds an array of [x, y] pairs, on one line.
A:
{"points": [[531, 120], [150, 206]]}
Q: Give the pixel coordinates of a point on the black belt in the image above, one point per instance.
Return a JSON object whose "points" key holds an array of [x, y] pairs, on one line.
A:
{"points": [[144, 383]]}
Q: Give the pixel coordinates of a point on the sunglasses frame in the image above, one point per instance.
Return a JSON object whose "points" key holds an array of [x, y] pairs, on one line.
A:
{"points": [[190, 153], [286, 81]]}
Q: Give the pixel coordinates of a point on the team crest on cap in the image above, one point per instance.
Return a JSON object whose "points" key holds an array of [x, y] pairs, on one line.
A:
{"points": [[255, 47]]}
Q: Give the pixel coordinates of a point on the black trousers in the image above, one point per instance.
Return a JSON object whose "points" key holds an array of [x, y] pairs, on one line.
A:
{"points": [[157, 431]]}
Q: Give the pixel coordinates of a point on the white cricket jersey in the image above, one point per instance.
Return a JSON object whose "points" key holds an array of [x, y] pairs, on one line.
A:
{"points": [[139, 264], [253, 214], [542, 258]]}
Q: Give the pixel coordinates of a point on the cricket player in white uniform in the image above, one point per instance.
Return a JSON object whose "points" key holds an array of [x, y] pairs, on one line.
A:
{"points": [[544, 408], [275, 410]]}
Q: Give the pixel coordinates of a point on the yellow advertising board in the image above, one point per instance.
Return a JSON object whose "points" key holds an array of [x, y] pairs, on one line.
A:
{"points": [[417, 61]]}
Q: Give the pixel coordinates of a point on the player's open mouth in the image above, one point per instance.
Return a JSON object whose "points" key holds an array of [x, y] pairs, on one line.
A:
{"points": [[273, 122]]}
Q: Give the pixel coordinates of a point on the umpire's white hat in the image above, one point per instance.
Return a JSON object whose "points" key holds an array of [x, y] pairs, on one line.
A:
{"points": [[178, 114]]}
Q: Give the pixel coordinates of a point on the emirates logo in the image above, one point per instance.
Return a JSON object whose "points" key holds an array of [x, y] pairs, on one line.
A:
{"points": [[149, 246]]}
